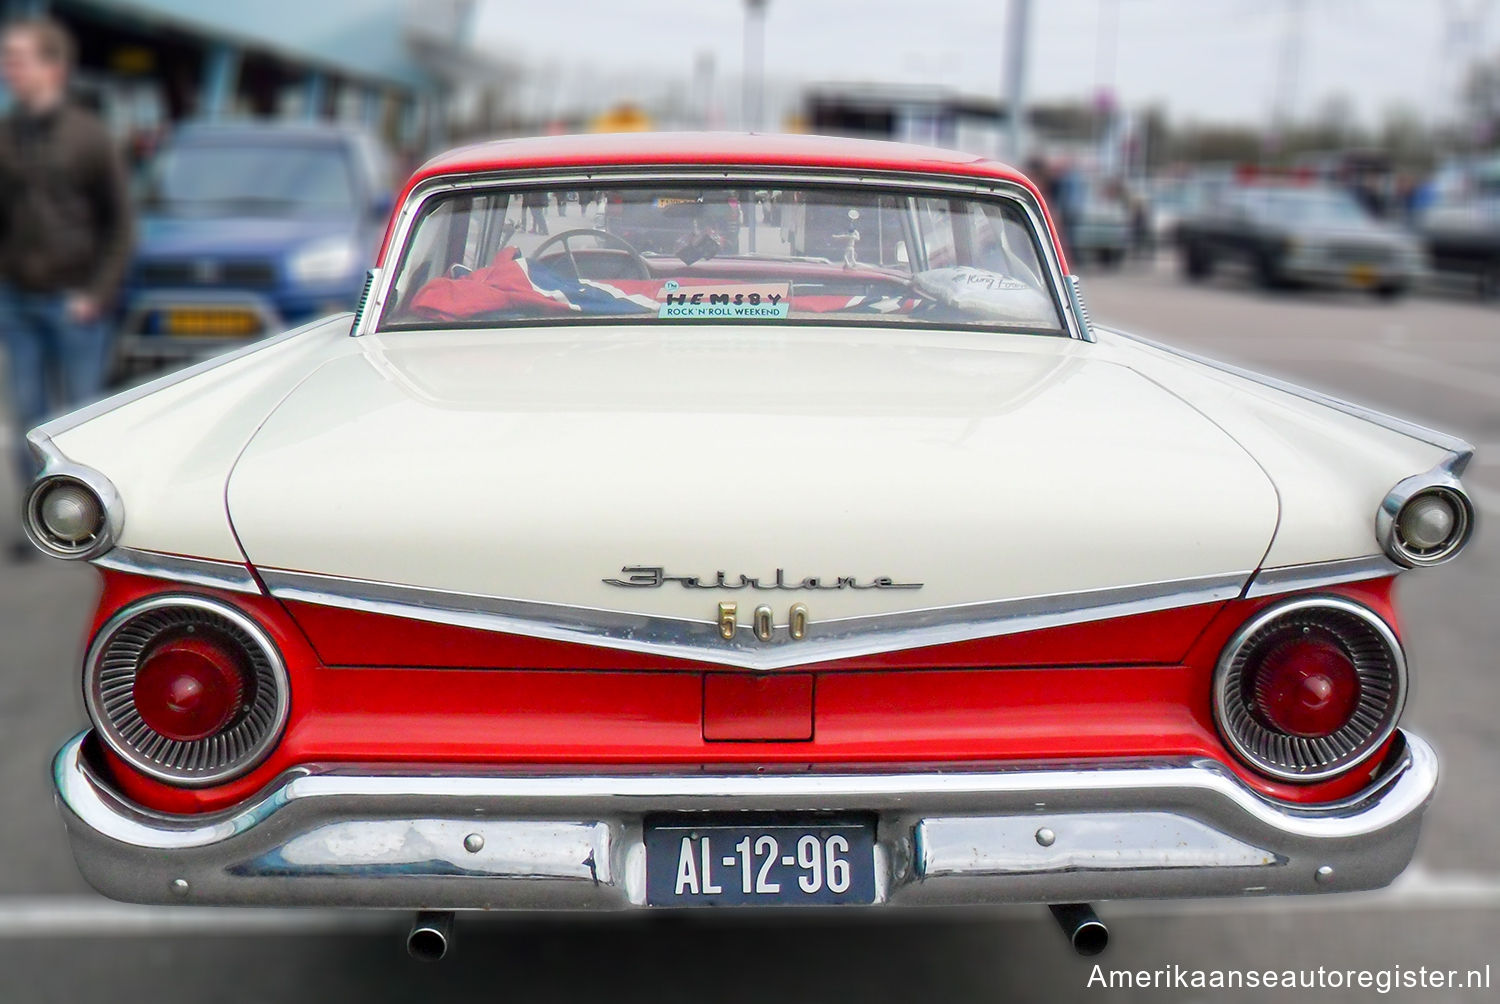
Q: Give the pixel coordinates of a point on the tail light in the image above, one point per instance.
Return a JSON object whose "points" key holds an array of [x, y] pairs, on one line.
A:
{"points": [[1310, 687], [73, 512], [1425, 522], [191, 686], [187, 689]]}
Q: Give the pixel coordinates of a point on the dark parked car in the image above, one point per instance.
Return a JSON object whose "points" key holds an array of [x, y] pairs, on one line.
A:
{"points": [[249, 229], [1289, 234], [1462, 231]]}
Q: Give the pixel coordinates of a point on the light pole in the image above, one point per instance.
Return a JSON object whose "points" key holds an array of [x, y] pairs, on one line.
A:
{"points": [[1288, 67], [754, 81], [1015, 79]]}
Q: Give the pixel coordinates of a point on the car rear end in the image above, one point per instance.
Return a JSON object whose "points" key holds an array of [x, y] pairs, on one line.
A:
{"points": [[1020, 673], [250, 750]]}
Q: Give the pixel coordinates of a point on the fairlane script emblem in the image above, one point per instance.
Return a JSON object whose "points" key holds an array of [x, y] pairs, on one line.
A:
{"points": [[655, 576]]}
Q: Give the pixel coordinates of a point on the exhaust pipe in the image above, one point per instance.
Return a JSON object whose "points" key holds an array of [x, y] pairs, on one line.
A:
{"points": [[431, 935], [1082, 927]]}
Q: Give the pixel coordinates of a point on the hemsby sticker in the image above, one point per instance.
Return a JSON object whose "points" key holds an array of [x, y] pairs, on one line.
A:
{"points": [[732, 301]]}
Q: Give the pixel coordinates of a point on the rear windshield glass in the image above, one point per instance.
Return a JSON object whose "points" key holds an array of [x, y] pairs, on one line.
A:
{"points": [[252, 176], [727, 255]]}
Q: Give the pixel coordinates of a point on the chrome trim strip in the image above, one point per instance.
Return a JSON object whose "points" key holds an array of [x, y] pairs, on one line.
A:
{"points": [[1290, 578], [372, 278], [176, 568], [700, 640], [1079, 308], [1460, 449], [594, 176], [402, 832], [41, 436]]}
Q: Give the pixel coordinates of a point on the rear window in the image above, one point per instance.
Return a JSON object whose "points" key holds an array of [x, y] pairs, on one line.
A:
{"points": [[722, 254], [253, 176]]}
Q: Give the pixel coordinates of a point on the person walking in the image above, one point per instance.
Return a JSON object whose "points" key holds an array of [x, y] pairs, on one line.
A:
{"points": [[535, 203], [65, 234]]}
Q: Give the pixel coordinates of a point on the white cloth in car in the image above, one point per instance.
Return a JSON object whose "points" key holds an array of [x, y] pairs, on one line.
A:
{"points": [[988, 295]]}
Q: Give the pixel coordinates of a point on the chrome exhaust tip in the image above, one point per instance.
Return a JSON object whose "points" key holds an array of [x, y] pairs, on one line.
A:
{"points": [[431, 935], [1082, 927]]}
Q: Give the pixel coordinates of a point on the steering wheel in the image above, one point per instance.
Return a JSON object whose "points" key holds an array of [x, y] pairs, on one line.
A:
{"points": [[603, 237]]}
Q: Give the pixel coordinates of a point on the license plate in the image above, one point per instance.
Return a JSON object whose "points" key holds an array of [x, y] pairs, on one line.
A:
{"points": [[1362, 275], [785, 863], [210, 322]]}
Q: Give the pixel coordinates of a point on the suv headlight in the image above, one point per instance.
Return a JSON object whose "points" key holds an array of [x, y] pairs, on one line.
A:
{"points": [[324, 260]]}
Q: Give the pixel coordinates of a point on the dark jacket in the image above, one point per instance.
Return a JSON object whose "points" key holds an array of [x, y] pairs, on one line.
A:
{"points": [[65, 212]]}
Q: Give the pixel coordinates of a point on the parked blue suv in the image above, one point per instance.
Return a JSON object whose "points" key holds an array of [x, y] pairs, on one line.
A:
{"points": [[247, 230]]}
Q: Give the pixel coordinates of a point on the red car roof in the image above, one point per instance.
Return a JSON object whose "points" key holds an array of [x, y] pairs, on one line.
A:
{"points": [[704, 148], [691, 149]]}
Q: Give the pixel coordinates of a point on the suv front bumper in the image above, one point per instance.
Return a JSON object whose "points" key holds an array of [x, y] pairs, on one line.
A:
{"points": [[359, 836]]}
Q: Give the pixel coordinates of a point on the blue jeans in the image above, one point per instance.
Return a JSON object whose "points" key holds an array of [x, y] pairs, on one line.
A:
{"points": [[56, 364]]}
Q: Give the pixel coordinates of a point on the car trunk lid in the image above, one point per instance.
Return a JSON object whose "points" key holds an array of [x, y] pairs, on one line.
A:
{"points": [[634, 477]]}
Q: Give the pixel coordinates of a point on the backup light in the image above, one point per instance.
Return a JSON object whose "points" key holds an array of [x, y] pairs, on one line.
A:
{"points": [[1425, 521], [72, 513]]}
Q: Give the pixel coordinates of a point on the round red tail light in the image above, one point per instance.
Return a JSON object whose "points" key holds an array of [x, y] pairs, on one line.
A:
{"points": [[186, 689], [190, 687], [1309, 687], [1305, 686]]}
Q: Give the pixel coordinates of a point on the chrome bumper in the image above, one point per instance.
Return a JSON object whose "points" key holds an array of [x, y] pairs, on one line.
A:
{"points": [[540, 840]]}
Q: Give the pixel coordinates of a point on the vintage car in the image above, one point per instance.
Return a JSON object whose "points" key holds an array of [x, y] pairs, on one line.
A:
{"points": [[563, 574], [1294, 234]]}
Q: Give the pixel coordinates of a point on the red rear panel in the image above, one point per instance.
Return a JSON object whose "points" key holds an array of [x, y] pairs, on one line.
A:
{"points": [[1085, 692]]}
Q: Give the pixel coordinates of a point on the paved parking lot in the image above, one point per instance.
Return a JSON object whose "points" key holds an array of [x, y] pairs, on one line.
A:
{"points": [[1437, 360]]}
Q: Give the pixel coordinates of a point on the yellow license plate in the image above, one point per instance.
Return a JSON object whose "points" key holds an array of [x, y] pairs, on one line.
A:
{"points": [[1363, 275], [211, 322]]}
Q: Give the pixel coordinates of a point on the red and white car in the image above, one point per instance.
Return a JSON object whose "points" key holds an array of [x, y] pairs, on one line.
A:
{"points": [[566, 574]]}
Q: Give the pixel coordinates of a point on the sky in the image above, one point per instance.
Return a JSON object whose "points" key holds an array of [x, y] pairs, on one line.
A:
{"points": [[1203, 60]]}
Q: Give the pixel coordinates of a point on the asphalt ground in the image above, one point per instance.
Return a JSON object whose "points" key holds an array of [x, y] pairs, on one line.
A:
{"points": [[1435, 359]]}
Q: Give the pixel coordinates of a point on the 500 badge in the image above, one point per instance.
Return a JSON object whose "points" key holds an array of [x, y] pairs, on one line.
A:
{"points": [[763, 623]]}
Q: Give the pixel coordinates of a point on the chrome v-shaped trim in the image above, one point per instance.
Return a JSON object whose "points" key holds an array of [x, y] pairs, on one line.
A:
{"points": [[193, 571], [700, 641]]}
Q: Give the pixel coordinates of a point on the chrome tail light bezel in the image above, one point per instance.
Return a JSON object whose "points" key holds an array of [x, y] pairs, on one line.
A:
{"points": [[115, 656], [112, 512], [1378, 657], [1439, 483]]}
